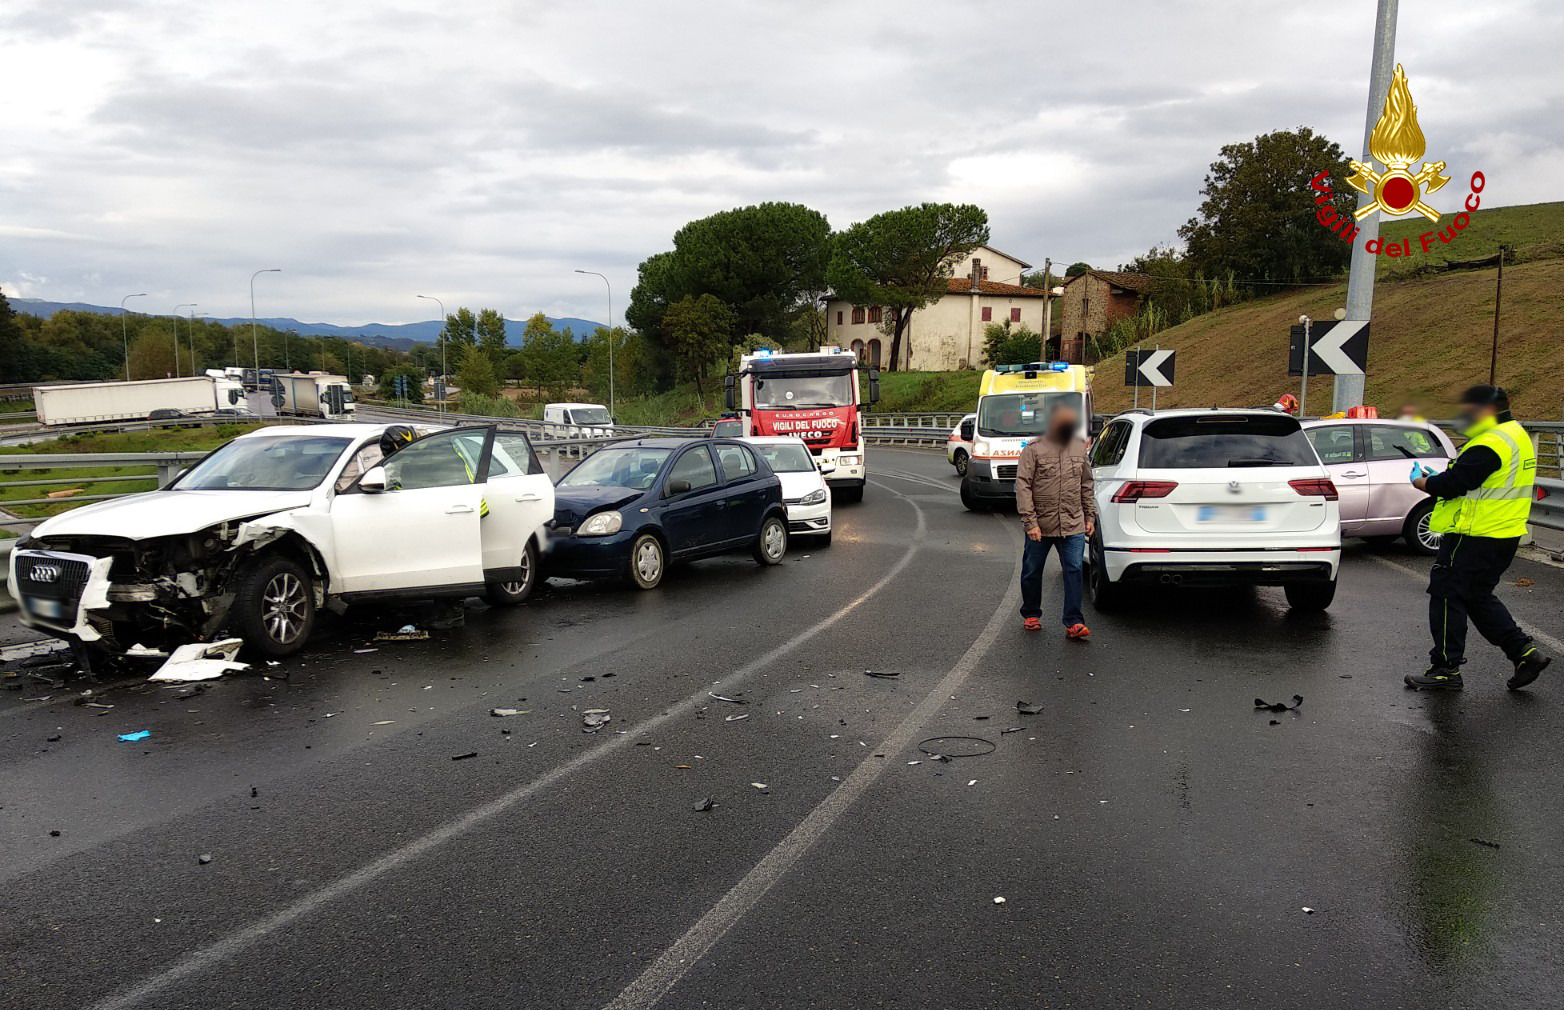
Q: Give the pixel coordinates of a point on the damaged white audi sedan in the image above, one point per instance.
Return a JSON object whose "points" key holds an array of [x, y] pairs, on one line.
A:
{"points": [[257, 537]]}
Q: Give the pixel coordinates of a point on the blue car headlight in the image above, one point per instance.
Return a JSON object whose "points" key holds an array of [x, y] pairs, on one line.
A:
{"points": [[600, 524]]}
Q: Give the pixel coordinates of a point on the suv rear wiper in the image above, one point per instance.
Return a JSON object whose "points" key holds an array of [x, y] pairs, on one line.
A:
{"points": [[1256, 462]]}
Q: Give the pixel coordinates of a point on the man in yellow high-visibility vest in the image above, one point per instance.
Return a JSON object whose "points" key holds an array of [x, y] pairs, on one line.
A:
{"points": [[1483, 500]]}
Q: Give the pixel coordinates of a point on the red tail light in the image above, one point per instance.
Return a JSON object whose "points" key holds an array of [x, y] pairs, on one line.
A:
{"points": [[1315, 487], [1135, 490]]}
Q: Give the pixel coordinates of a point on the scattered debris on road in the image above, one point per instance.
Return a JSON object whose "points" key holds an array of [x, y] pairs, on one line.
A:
{"points": [[722, 697], [1307, 910], [204, 858], [999, 901], [1011, 729], [1260, 703], [737, 718], [761, 786], [1525, 583], [594, 719], [406, 633], [882, 674], [140, 734], [1484, 842], [1028, 708], [944, 748], [201, 661], [506, 713], [703, 804], [464, 757]]}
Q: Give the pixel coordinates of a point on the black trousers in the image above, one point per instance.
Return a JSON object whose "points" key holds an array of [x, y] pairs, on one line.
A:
{"points": [[1461, 585]]}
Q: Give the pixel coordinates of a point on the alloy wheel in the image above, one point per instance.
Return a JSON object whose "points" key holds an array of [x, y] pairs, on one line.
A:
{"points": [[283, 607]]}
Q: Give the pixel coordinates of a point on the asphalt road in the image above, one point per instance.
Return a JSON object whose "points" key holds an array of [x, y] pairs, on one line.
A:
{"points": [[1156, 839]]}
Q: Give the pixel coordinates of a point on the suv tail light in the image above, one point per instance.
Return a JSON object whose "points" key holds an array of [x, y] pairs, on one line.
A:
{"points": [[1312, 487], [1135, 490]]}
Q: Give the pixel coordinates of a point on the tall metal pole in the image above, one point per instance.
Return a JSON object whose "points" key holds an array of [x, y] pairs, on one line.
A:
{"points": [[610, 287], [190, 335], [176, 339], [255, 340], [432, 298], [1360, 282], [1303, 392], [124, 329], [1498, 290], [1048, 306]]}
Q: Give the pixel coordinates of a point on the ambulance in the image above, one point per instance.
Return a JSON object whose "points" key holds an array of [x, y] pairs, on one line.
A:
{"points": [[1014, 404], [813, 396]]}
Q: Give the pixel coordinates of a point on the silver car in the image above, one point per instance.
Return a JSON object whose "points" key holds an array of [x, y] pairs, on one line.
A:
{"points": [[1370, 460]]}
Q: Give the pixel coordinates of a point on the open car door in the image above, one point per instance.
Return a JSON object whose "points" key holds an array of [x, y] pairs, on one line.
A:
{"points": [[423, 530]]}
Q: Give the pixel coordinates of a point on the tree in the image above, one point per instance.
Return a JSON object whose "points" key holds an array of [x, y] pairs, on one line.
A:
{"points": [[1076, 269], [476, 373], [595, 370], [1040, 280], [1011, 344], [698, 331], [152, 356], [491, 335], [1257, 220], [551, 358], [460, 328], [902, 259], [414, 386]]}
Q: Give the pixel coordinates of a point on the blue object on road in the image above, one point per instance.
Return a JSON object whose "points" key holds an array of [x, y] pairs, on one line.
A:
{"points": [[140, 734]]}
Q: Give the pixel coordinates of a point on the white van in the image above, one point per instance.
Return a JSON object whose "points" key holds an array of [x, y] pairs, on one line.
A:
{"points": [[584, 420]]}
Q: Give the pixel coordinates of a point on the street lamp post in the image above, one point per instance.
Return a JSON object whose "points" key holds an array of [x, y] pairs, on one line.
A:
{"points": [[181, 305], [254, 340], [610, 288], [191, 334], [432, 298], [124, 329]]}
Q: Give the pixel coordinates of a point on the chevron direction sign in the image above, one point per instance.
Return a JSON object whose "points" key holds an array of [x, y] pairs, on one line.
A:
{"points": [[1335, 348], [1148, 368]]}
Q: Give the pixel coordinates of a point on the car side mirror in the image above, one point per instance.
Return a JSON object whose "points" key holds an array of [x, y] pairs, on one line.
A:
{"points": [[874, 385], [728, 391], [678, 487], [373, 481], [827, 467]]}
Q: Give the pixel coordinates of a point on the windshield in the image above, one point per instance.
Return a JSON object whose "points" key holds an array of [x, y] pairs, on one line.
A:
{"points": [[282, 463], [1217, 441], [590, 415], [634, 468], [786, 457], [788, 392], [1022, 413]]}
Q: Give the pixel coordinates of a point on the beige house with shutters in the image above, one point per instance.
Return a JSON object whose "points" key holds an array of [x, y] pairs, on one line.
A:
{"points": [[985, 287]]}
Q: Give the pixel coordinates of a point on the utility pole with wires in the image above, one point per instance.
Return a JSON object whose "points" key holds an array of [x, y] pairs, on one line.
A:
{"points": [[1498, 291]]}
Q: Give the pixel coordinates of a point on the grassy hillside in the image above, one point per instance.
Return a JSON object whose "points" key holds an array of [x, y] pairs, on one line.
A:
{"points": [[1430, 335]]}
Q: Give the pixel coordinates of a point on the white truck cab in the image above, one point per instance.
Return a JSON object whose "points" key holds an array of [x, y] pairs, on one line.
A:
{"points": [[585, 420]]}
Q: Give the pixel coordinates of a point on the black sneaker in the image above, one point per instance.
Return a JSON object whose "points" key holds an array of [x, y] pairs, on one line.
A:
{"points": [[1528, 669], [1436, 678]]}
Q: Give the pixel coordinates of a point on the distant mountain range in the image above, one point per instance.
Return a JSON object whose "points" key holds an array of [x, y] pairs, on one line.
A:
{"points": [[397, 336]]}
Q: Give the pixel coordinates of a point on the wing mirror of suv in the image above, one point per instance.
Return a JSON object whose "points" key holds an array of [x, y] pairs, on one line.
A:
{"points": [[678, 487], [827, 467], [373, 481]]}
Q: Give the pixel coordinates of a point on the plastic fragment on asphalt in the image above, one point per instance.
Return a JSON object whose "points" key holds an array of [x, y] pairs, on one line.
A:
{"points": [[760, 785], [594, 719], [53, 739], [1029, 708], [1308, 910], [139, 651], [972, 783], [882, 674], [140, 734], [1484, 842], [737, 718], [999, 901], [505, 713], [1011, 729], [703, 804], [1297, 700], [383, 722], [686, 767], [406, 633], [201, 661], [360, 652], [204, 858], [1276, 722], [464, 757], [915, 762], [730, 701]]}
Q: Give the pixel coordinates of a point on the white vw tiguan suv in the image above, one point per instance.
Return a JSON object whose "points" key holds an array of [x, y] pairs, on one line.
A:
{"points": [[1211, 498]]}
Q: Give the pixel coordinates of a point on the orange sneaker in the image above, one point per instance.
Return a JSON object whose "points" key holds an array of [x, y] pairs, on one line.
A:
{"points": [[1077, 631], [1032, 624]]}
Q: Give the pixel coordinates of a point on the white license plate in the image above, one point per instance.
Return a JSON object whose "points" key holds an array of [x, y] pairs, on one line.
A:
{"points": [[1230, 514], [45, 607]]}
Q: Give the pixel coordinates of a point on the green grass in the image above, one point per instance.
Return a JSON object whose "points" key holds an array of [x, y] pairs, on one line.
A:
{"points": [[16, 406], [135, 477], [1533, 231]]}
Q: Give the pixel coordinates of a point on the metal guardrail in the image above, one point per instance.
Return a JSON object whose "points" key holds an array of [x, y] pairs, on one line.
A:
{"points": [[1548, 511], [163, 467]]}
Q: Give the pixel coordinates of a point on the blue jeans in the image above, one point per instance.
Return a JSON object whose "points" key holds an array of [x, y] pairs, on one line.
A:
{"points": [[1033, 559]]}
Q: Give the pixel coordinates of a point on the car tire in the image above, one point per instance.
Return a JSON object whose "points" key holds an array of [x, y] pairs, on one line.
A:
{"points": [[648, 562], [1312, 596], [849, 495], [960, 462], [1418, 536], [1105, 594], [970, 500], [274, 606], [770, 542], [512, 593]]}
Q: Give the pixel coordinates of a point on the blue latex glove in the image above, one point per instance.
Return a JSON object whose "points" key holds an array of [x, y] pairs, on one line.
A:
{"points": [[1419, 470]]}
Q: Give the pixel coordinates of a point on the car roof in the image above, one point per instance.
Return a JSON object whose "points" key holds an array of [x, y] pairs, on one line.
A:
{"points": [[355, 430], [578, 405]]}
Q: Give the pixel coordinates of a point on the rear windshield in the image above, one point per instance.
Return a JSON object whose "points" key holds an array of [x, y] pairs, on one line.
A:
{"points": [[1225, 441]]}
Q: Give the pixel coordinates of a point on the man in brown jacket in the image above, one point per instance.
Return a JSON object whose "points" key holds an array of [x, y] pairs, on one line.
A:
{"points": [[1054, 497]]}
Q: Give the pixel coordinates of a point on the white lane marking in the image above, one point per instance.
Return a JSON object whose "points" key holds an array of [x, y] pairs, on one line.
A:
{"points": [[1541, 636], [656, 981], [230, 945]]}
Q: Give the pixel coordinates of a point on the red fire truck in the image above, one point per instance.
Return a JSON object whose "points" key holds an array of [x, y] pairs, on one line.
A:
{"points": [[813, 396]]}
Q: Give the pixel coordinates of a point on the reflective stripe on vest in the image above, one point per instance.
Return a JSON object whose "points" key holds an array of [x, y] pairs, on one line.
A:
{"points": [[1500, 507]]}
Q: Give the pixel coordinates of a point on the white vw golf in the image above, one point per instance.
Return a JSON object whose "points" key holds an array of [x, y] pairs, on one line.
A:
{"points": [[1213, 497]]}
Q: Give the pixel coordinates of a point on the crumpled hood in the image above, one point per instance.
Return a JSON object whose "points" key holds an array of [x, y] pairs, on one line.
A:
{"points": [[573, 504], [168, 513]]}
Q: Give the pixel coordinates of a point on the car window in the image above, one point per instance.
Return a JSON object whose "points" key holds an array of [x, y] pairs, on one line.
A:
{"points": [[787, 457], [513, 455], [281, 463], [635, 467], [1395, 442], [737, 463], [440, 460], [696, 467], [1333, 442], [366, 457], [1109, 449], [1002, 414], [1224, 440]]}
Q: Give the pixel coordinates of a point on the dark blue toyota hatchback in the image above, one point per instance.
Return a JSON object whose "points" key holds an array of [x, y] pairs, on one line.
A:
{"points": [[632, 508]]}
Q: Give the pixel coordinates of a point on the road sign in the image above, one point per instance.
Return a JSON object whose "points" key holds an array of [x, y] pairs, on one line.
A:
{"points": [[1335, 348], [277, 399], [1148, 368]]}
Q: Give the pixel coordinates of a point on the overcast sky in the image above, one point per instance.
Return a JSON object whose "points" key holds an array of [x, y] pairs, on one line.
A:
{"points": [[479, 151]]}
